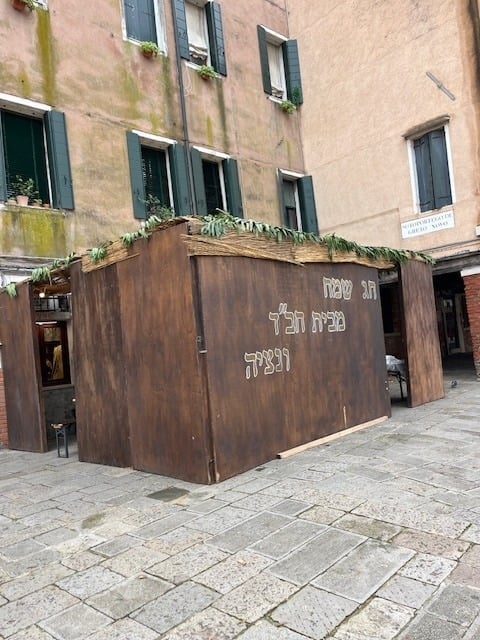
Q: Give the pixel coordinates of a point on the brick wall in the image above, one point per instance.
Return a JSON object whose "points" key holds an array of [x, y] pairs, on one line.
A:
{"points": [[3, 415], [472, 296]]}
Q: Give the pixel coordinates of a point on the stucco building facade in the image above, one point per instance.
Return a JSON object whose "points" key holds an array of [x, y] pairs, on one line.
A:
{"points": [[100, 136], [391, 137]]}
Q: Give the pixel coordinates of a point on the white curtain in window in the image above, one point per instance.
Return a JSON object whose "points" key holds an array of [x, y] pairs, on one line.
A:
{"points": [[197, 36], [275, 63]]}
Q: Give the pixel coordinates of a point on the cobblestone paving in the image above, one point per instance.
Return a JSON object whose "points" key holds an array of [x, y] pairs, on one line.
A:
{"points": [[374, 536]]}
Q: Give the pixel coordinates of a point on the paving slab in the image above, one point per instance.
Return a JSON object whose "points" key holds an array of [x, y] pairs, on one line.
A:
{"points": [[316, 556], [255, 598], [175, 606], [378, 620], [428, 627], [313, 612], [76, 623], [364, 570], [233, 571], [406, 591]]}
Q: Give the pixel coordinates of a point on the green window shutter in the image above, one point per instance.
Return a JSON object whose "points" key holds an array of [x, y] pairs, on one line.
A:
{"points": [[232, 187], [440, 174], [292, 71], [136, 175], [424, 173], [215, 36], [198, 183], [59, 160], [264, 66], [140, 20], [181, 28], [308, 210], [179, 176], [3, 172], [281, 200]]}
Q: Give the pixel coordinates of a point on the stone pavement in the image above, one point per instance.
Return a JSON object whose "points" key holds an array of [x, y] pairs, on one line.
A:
{"points": [[373, 536]]}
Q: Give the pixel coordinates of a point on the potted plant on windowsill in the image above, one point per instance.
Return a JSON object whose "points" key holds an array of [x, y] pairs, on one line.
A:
{"points": [[21, 5], [205, 71], [288, 106], [24, 189], [149, 49]]}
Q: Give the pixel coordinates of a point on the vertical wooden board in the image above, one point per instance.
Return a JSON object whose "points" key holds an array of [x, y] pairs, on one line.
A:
{"points": [[166, 398], [21, 364], [293, 354], [424, 362], [101, 403]]}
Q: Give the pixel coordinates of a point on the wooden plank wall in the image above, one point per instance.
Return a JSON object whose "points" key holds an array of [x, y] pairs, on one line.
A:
{"points": [[279, 376], [21, 368], [100, 386], [167, 401], [424, 361]]}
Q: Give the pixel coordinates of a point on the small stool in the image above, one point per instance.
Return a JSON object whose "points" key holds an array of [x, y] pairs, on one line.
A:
{"points": [[61, 431]]}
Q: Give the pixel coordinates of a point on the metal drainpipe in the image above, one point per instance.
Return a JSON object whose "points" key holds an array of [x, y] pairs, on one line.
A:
{"points": [[186, 140]]}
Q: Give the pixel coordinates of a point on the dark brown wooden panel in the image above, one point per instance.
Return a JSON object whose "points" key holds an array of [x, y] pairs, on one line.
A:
{"points": [[166, 398], [424, 362], [100, 388], [293, 354], [21, 364]]}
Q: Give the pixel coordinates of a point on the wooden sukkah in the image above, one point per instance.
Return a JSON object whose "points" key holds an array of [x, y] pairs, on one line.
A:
{"points": [[206, 347]]}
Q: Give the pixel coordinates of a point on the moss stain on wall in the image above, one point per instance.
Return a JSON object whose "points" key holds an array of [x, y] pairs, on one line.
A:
{"points": [[37, 233], [24, 86], [46, 56], [209, 126], [168, 97], [223, 115], [131, 93]]}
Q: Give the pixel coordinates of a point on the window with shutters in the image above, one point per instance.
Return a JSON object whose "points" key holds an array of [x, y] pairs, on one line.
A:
{"points": [[280, 66], [34, 148], [154, 166], [433, 181], [144, 21], [216, 182], [297, 202], [199, 32]]}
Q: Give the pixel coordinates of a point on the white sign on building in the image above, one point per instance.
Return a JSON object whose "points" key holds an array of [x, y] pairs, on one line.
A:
{"points": [[429, 224]]}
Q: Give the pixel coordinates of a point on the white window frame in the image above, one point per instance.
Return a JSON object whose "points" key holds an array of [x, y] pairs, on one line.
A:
{"points": [[293, 176], [160, 26], [160, 143], [413, 164], [275, 39], [218, 157], [31, 109]]}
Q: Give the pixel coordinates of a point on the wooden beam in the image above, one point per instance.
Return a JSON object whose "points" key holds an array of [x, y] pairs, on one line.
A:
{"points": [[333, 436]]}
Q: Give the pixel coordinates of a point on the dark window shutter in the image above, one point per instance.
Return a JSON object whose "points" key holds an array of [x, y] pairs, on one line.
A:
{"points": [[232, 187], [198, 183], [440, 176], [424, 173], [281, 199], [181, 28], [215, 36], [3, 173], [131, 19], [308, 210], [146, 20], [262, 48], [179, 175], [59, 160], [136, 175], [292, 71], [140, 20]]}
